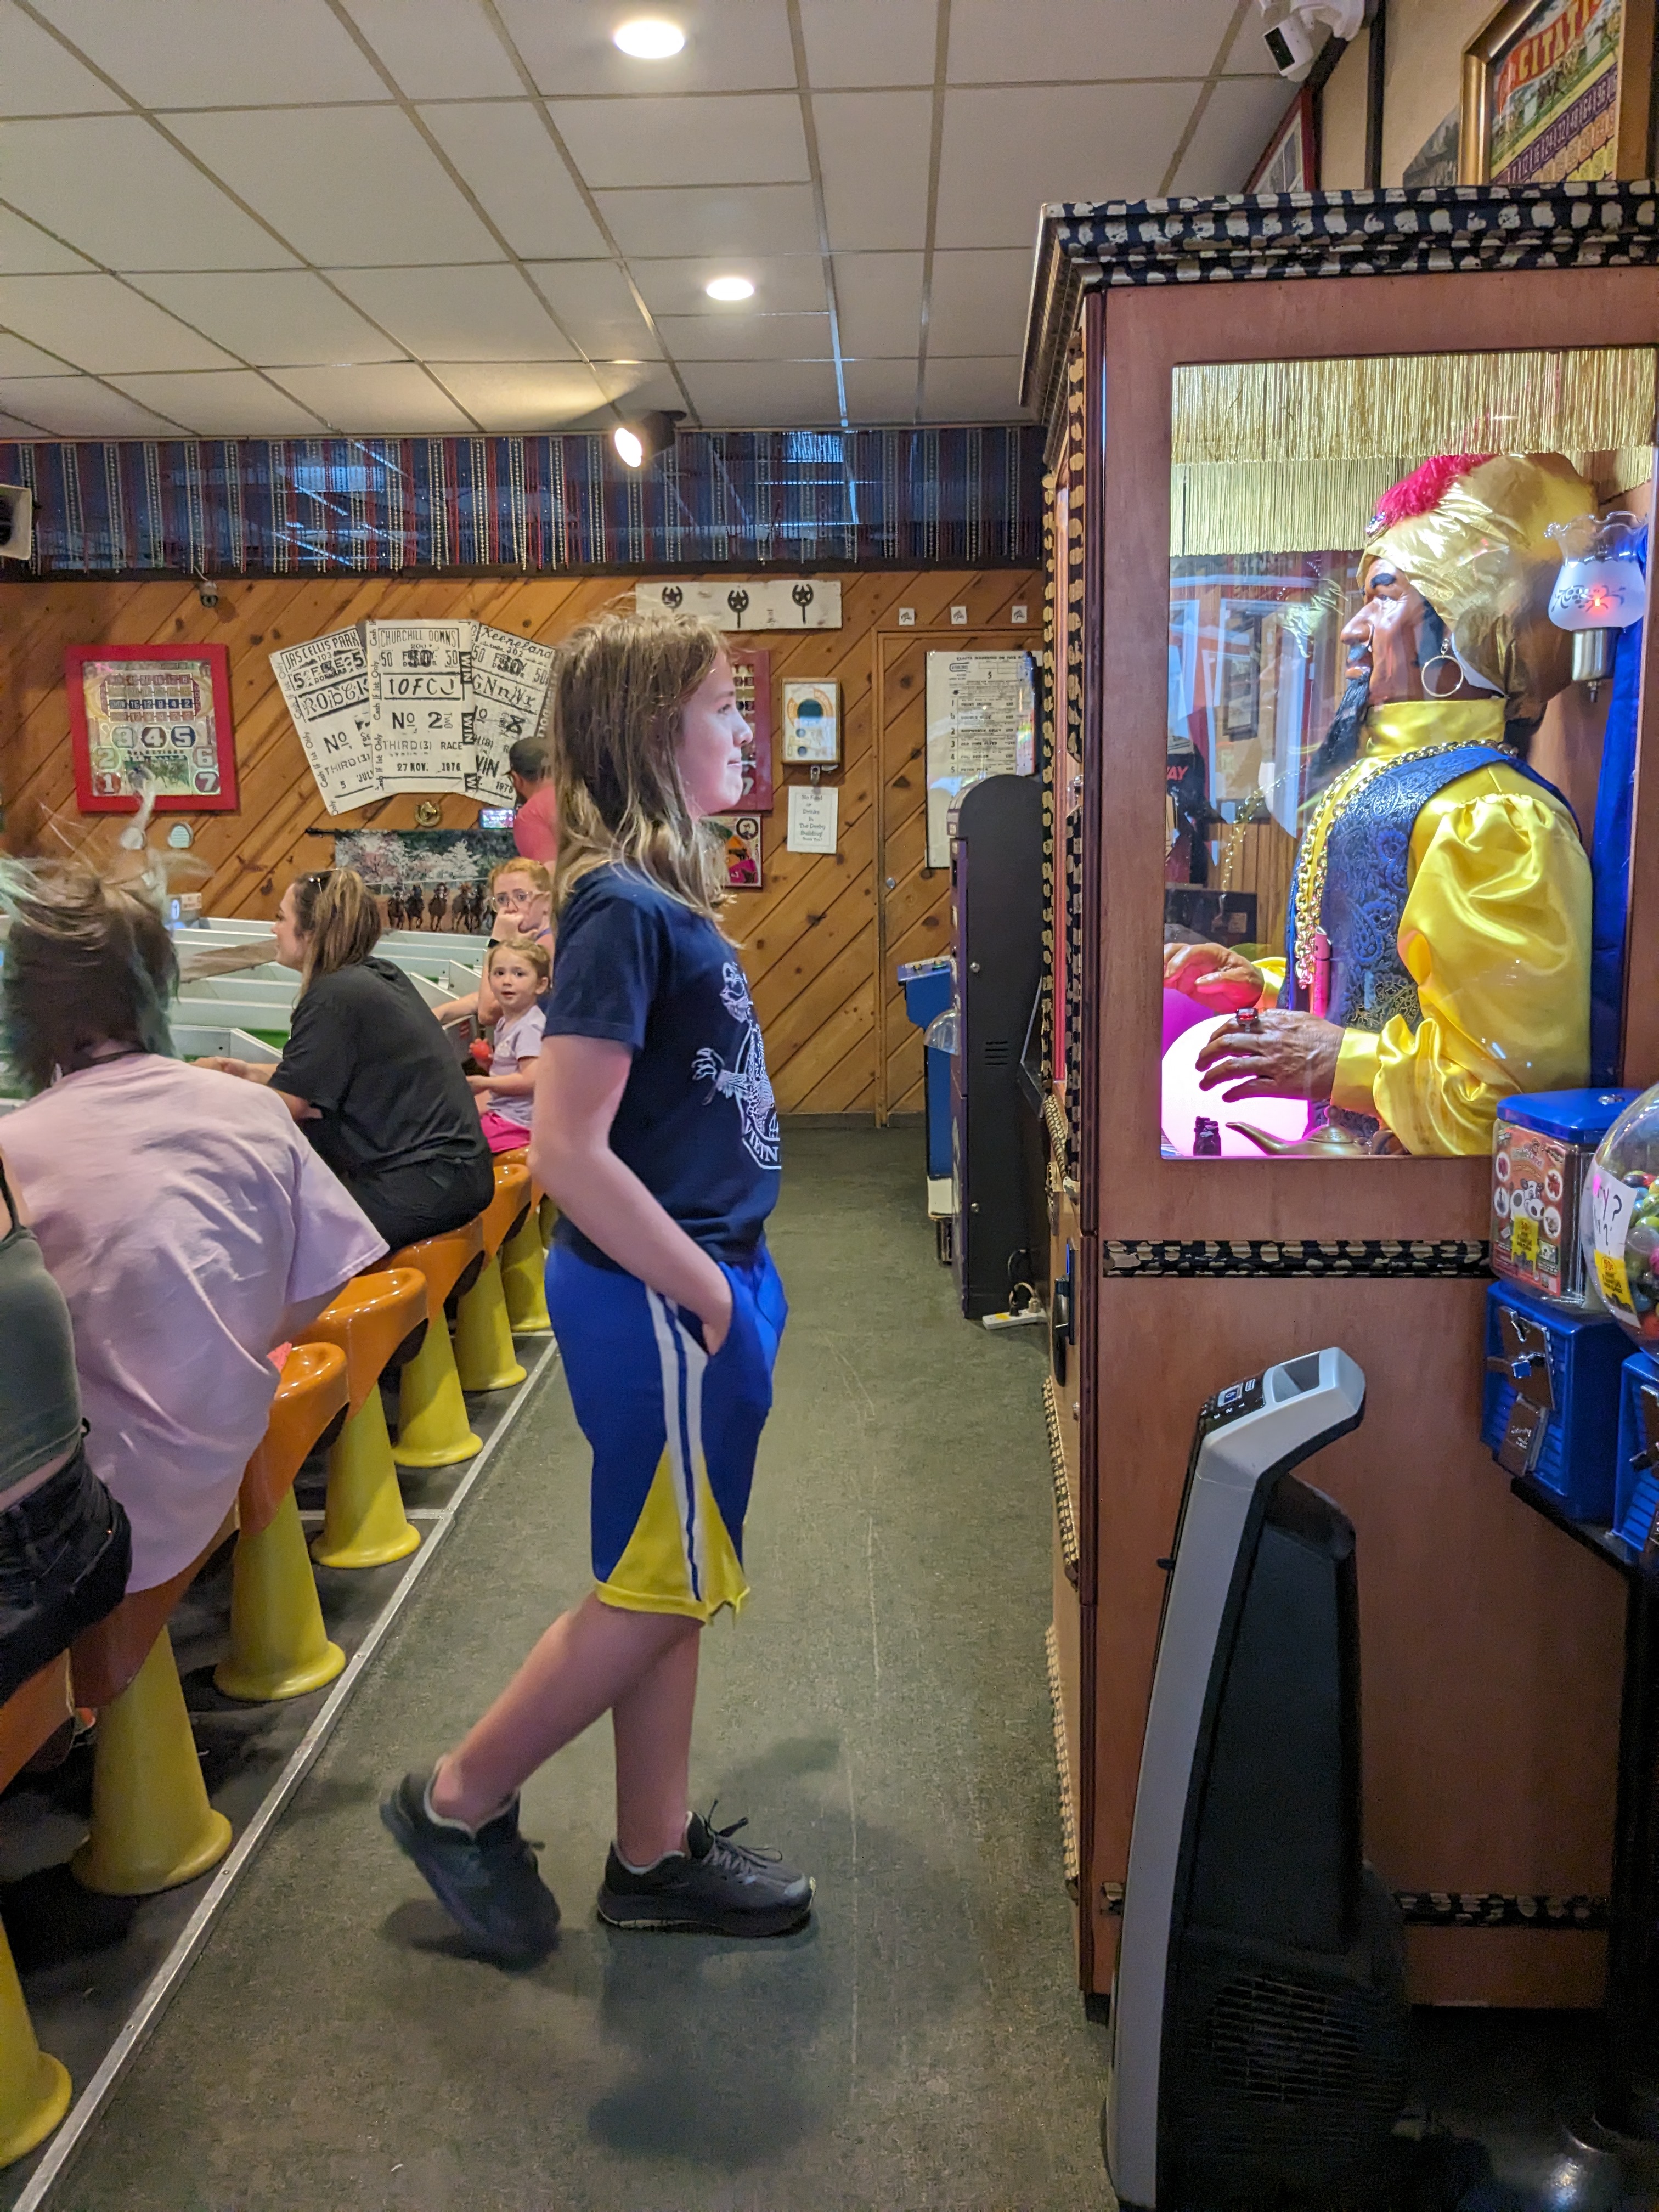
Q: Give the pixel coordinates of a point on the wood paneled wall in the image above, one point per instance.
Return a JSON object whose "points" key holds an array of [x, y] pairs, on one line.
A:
{"points": [[811, 936]]}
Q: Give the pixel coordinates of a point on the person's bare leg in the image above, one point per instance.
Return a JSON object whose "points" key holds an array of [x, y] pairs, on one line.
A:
{"points": [[589, 1657], [652, 1724]]}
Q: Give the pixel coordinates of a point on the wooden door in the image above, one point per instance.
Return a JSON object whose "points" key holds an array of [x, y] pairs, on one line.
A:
{"points": [[913, 901]]}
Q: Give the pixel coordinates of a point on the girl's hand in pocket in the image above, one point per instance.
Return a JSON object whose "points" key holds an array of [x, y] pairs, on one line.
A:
{"points": [[717, 1323]]}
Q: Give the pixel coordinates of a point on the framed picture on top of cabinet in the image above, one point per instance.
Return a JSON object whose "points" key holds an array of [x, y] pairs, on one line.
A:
{"points": [[1559, 91], [1289, 163], [150, 720]]}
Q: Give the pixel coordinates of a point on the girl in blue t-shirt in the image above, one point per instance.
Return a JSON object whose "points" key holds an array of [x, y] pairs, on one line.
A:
{"points": [[656, 1133]]}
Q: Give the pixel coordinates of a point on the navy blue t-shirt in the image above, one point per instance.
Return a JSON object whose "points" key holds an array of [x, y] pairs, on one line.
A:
{"points": [[697, 1123]]}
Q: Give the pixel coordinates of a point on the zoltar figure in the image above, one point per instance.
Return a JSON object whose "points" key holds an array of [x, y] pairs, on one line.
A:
{"points": [[1437, 950]]}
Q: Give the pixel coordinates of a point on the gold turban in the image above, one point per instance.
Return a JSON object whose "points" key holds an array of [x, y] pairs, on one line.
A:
{"points": [[1482, 560]]}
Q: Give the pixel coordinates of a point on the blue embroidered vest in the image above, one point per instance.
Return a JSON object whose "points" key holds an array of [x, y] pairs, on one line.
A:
{"points": [[1367, 851]]}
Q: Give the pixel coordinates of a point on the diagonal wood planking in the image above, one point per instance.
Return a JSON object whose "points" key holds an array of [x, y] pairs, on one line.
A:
{"points": [[811, 937]]}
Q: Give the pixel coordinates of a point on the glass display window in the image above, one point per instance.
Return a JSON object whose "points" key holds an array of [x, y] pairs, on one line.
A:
{"points": [[1396, 590]]}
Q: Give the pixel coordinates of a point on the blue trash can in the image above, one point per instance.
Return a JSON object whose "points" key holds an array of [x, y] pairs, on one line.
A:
{"points": [[929, 988]]}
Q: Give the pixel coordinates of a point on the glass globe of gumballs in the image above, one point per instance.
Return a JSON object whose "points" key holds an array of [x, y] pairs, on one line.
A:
{"points": [[1601, 587]]}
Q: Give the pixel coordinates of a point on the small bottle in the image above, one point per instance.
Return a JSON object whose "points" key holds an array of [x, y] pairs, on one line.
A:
{"points": [[1206, 1138]]}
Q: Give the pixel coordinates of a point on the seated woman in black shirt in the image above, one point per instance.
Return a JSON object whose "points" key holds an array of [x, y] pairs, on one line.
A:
{"points": [[367, 1073]]}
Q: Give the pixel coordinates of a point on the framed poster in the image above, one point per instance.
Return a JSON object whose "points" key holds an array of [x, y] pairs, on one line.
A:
{"points": [[151, 719], [811, 721], [741, 834], [1289, 163], [1557, 91], [751, 667]]}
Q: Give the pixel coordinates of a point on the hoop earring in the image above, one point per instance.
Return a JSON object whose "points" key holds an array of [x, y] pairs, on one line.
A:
{"points": [[1434, 661]]}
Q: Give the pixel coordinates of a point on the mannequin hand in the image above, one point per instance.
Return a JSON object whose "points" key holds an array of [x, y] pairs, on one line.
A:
{"points": [[1216, 978], [1283, 1055]]}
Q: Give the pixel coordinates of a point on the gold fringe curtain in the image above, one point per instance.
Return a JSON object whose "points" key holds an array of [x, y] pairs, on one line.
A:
{"points": [[1291, 456]]}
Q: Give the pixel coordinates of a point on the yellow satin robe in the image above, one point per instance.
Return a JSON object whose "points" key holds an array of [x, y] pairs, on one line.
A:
{"points": [[1495, 934]]}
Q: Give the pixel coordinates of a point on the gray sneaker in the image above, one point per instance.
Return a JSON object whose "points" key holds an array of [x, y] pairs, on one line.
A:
{"points": [[713, 1886], [485, 1878]]}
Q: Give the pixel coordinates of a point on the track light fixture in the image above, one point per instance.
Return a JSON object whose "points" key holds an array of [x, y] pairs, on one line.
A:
{"points": [[648, 435]]}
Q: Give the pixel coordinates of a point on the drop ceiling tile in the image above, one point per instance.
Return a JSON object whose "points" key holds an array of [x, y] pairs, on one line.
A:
{"points": [[18, 359], [223, 403], [592, 301], [857, 42], [25, 250], [738, 224], [78, 407], [38, 77], [503, 150], [1008, 152], [272, 315], [364, 190], [14, 426], [763, 395], [183, 53], [712, 139], [475, 314], [112, 187], [1232, 135], [509, 397], [873, 150], [730, 45], [784, 285], [879, 296], [635, 385], [746, 338], [979, 302], [881, 390], [100, 324], [438, 49], [1068, 41], [392, 400], [972, 391]]}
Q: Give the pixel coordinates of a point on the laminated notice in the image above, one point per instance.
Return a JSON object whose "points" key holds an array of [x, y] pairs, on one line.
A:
{"points": [[325, 684]]}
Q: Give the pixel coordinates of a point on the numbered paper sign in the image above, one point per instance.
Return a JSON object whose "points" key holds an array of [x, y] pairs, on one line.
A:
{"points": [[1613, 1207]]}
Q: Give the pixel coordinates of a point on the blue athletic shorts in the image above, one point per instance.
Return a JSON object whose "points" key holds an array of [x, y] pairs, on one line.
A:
{"points": [[674, 1433]]}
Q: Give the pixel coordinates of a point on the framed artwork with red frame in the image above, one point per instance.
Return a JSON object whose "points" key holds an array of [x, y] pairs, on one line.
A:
{"points": [[151, 719], [751, 666]]}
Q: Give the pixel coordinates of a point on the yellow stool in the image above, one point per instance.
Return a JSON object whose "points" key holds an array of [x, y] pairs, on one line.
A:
{"points": [[524, 1266], [278, 1645], [432, 1423], [484, 1358], [34, 2088], [152, 1825], [374, 1317]]}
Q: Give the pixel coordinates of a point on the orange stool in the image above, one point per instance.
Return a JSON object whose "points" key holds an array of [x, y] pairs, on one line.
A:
{"points": [[152, 1825], [278, 1645], [432, 1423], [373, 1318], [484, 1358], [523, 1265], [34, 2088]]}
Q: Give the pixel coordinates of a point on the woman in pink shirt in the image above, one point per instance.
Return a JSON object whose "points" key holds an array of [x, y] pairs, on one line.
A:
{"points": [[187, 1222]]}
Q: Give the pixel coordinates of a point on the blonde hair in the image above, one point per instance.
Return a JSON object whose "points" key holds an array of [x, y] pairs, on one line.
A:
{"points": [[338, 920], [619, 691], [535, 870], [526, 949]]}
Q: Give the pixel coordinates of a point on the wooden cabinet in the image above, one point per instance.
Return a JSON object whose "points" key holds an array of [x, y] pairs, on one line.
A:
{"points": [[1491, 1650]]}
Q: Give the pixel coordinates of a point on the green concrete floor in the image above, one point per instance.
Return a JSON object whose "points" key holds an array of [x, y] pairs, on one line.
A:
{"points": [[881, 1712]]}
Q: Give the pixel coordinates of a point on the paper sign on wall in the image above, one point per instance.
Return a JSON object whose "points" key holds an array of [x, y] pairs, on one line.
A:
{"points": [[813, 812], [325, 684], [419, 706], [509, 689], [981, 722]]}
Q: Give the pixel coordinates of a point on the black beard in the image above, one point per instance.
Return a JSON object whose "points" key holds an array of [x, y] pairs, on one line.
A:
{"points": [[1347, 727]]}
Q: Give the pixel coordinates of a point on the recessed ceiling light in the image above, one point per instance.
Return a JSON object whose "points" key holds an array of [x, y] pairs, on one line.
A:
{"points": [[649, 39], [729, 288]]}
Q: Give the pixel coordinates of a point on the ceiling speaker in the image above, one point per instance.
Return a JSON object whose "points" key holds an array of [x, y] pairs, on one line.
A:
{"points": [[16, 515]]}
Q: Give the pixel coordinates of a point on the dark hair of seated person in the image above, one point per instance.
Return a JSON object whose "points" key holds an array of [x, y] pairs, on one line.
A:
{"points": [[89, 964]]}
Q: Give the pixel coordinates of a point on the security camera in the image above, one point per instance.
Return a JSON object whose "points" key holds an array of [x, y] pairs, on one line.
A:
{"points": [[1292, 42], [207, 591], [16, 513]]}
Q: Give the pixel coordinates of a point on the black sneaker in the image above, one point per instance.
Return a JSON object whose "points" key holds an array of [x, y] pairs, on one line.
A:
{"points": [[714, 1885], [485, 1879]]}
